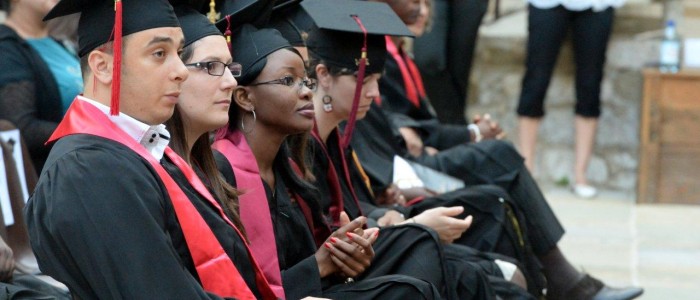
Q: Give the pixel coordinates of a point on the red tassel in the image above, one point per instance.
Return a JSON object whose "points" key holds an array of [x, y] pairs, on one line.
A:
{"points": [[227, 33], [362, 65], [117, 62]]}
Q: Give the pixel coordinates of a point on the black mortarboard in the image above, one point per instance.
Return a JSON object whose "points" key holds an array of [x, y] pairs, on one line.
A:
{"points": [[101, 21], [292, 22], [351, 35], [254, 12], [338, 38], [251, 45], [97, 19], [195, 25]]}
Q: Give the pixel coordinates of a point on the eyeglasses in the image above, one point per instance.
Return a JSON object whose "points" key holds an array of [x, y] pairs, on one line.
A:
{"points": [[217, 68], [289, 81]]}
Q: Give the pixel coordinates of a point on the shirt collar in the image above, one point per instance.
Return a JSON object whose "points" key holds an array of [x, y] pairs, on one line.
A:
{"points": [[154, 138]]}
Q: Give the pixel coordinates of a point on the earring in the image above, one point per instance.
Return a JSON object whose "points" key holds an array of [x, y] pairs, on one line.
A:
{"points": [[327, 106], [255, 119]]}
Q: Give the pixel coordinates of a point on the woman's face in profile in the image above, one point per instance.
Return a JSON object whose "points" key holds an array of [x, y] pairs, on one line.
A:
{"points": [[205, 96], [284, 103], [342, 89]]}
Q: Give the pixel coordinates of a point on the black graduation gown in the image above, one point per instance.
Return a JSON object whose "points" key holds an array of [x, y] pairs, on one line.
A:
{"points": [[423, 117], [229, 239], [107, 236], [487, 162], [296, 248], [411, 249]]}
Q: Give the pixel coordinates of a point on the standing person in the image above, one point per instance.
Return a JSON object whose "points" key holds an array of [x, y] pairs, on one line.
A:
{"points": [[106, 219], [39, 77], [444, 55], [548, 24]]}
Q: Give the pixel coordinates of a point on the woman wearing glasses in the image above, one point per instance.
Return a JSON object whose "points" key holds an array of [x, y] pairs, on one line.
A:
{"points": [[202, 108], [280, 211]]}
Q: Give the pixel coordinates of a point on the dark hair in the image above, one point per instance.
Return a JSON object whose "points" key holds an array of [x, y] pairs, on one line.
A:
{"points": [[314, 61], [201, 158], [106, 47], [295, 183], [5, 5]]}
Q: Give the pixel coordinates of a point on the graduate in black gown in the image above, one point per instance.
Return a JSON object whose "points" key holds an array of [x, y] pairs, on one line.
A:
{"points": [[273, 102], [107, 219], [340, 79]]}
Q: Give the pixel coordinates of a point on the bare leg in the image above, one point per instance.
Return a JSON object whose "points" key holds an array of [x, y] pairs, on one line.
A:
{"points": [[585, 138], [527, 132]]}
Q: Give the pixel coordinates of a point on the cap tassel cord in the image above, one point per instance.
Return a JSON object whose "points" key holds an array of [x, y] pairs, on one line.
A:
{"points": [[117, 62], [227, 33], [350, 126], [212, 12]]}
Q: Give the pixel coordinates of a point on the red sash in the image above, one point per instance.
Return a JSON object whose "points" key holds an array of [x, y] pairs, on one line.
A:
{"points": [[255, 211], [337, 205], [412, 81], [215, 269], [320, 231]]}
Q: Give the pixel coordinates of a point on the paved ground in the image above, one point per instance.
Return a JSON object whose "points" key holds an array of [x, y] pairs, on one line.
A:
{"points": [[655, 246]]}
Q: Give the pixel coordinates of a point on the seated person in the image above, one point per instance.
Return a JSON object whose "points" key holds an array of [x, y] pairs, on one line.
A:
{"points": [[106, 218], [39, 78]]}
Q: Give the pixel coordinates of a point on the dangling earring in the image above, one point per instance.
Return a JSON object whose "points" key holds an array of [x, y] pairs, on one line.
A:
{"points": [[327, 106], [255, 118]]}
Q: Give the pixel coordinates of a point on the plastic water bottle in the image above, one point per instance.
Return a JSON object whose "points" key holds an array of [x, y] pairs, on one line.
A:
{"points": [[670, 50]]}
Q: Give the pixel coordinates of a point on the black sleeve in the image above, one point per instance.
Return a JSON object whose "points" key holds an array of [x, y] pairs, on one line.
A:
{"points": [[97, 223], [302, 279], [443, 136], [18, 104]]}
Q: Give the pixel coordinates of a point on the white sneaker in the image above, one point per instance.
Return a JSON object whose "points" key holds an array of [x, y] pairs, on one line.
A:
{"points": [[584, 191]]}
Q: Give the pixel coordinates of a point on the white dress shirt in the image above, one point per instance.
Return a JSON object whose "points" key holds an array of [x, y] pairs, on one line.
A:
{"points": [[154, 138]]}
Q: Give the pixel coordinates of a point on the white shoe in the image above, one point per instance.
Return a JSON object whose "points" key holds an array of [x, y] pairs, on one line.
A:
{"points": [[584, 191]]}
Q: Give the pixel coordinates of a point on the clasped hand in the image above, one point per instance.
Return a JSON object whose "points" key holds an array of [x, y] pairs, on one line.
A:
{"points": [[348, 251]]}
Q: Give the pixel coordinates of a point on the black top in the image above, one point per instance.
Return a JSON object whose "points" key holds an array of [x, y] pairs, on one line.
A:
{"points": [[394, 99], [29, 95], [107, 238]]}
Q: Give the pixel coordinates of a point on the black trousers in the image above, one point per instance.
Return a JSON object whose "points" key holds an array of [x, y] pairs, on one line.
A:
{"points": [[547, 29], [444, 55]]}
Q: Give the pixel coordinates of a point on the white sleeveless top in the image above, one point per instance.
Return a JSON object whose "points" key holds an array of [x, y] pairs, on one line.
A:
{"points": [[577, 5]]}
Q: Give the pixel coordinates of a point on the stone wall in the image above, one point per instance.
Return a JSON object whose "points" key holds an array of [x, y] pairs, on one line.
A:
{"points": [[496, 82]]}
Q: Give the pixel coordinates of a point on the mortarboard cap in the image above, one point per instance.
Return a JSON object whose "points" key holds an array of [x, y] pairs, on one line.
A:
{"points": [[251, 45], [339, 37], [351, 35], [195, 25], [238, 12], [101, 21], [292, 22], [97, 18]]}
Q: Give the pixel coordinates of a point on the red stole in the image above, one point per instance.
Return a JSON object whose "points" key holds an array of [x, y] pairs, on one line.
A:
{"points": [[320, 231], [412, 81], [255, 211], [215, 269], [337, 205]]}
